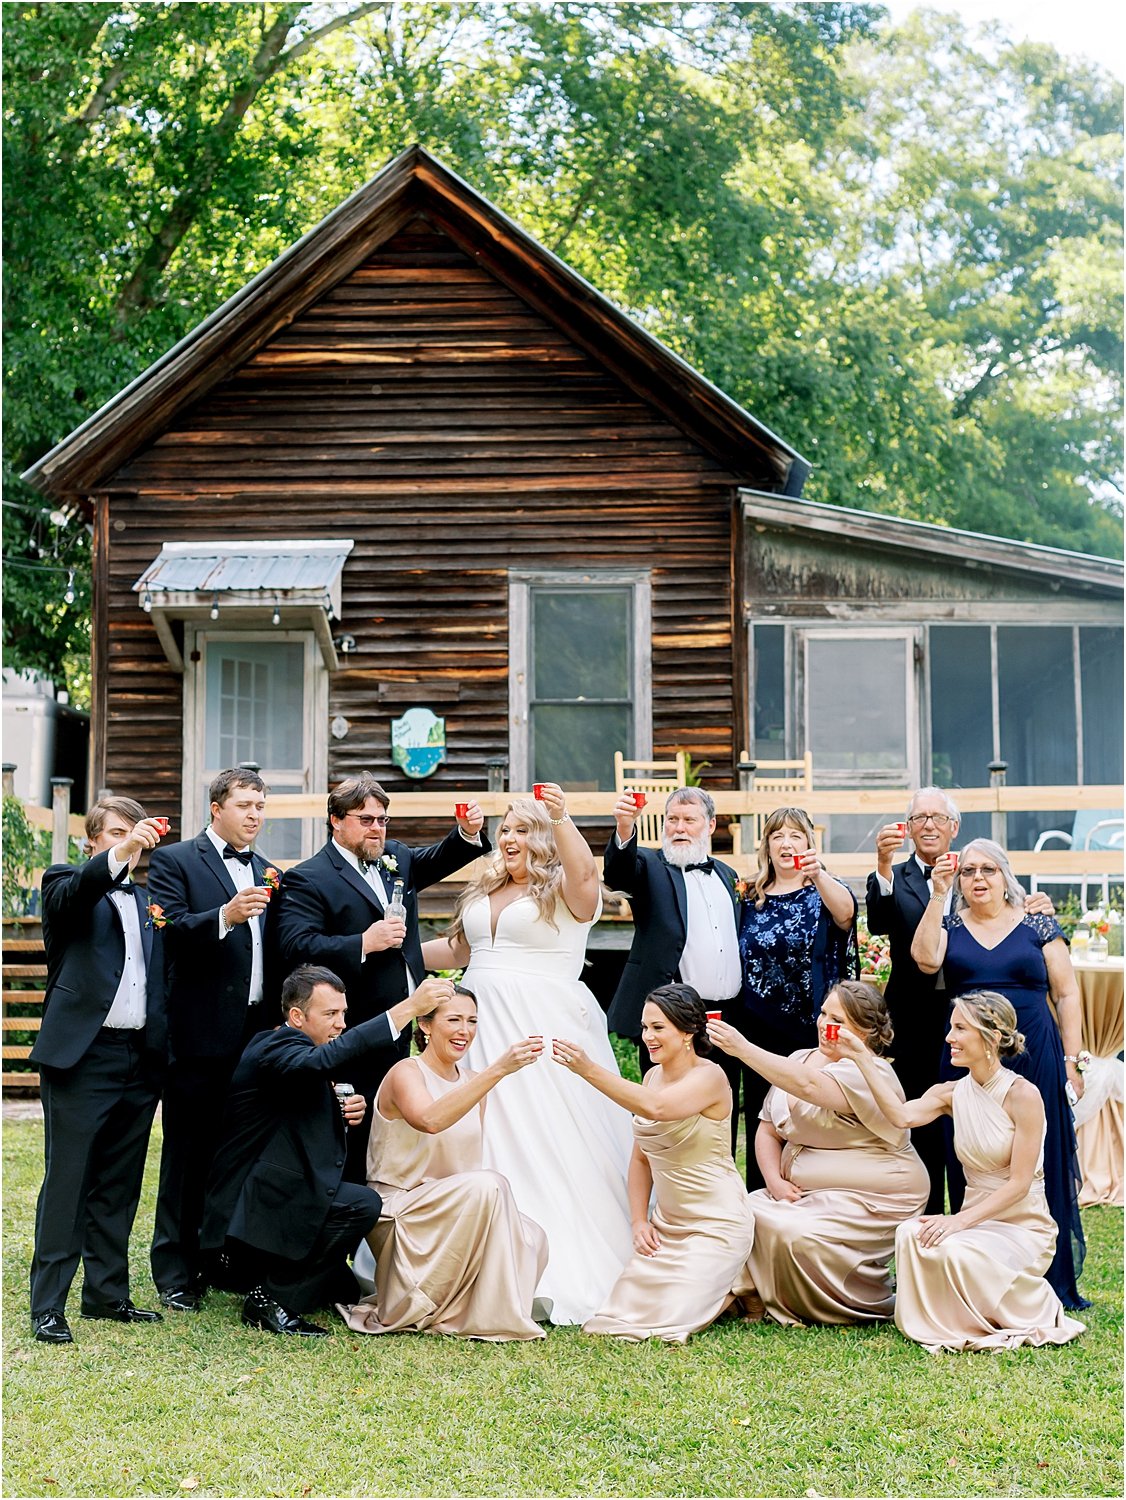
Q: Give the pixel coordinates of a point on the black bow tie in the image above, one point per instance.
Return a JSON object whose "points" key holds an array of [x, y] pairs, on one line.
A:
{"points": [[706, 865], [928, 871], [230, 852]]}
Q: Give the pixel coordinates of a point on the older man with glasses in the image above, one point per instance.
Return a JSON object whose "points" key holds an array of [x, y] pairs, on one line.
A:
{"points": [[333, 910], [896, 901]]}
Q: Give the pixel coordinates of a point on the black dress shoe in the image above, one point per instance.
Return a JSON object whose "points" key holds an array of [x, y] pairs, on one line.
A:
{"points": [[261, 1311], [181, 1299], [122, 1312], [51, 1327]]}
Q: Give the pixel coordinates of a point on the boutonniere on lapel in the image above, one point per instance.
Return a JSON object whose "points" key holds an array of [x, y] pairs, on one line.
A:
{"points": [[389, 863], [741, 889], [157, 918], [270, 878]]}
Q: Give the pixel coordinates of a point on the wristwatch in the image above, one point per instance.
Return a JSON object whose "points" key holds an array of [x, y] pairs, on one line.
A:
{"points": [[1082, 1061]]}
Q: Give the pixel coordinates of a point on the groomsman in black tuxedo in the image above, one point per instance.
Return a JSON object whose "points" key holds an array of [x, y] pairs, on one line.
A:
{"points": [[332, 911], [100, 1054], [918, 1003], [214, 891], [277, 1197], [685, 913]]}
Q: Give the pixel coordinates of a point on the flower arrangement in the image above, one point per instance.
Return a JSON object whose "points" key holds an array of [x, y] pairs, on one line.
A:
{"points": [[1101, 919], [875, 954], [157, 918]]}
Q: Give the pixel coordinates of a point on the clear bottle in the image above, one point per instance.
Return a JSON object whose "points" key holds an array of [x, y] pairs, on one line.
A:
{"points": [[397, 906], [1080, 939]]}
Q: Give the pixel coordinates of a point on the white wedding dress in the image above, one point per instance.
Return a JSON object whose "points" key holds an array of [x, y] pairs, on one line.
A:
{"points": [[563, 1146]]}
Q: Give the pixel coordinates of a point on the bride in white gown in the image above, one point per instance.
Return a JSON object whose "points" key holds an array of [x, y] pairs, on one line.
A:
{"points": [[521, 928]]}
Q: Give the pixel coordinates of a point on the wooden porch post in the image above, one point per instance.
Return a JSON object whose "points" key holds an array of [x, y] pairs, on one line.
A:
{"points": [[60, 808], [999, 819]]}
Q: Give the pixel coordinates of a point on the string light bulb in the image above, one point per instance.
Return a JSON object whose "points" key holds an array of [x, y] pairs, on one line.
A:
{"points": [[146, 602], [215, 606], [68, 597], [276, 616]]}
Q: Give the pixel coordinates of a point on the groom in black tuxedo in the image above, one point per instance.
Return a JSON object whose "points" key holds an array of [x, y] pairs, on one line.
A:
{"points": [[685, 912], [332, 911], [215, 893], [100, 1052]]}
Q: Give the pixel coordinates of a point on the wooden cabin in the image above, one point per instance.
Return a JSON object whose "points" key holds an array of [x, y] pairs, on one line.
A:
{"points": [[418, 462]]}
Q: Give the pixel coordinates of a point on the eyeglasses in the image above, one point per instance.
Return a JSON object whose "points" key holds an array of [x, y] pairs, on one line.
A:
{"points": [[369, 820], [919, 820], [987, 870]]}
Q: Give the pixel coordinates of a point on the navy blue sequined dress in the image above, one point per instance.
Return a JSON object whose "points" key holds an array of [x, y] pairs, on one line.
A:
{"points": [[1016, 969]]}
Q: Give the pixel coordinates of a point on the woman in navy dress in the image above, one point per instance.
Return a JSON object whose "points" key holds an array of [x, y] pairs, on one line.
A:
{"points": [[989, 942], [797, 937]]}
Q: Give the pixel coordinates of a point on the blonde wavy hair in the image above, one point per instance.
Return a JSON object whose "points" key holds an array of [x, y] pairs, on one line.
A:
{"points": [[545, 868], [799, 820]]}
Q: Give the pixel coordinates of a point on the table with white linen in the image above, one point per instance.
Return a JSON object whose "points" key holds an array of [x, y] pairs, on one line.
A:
{"points": [[1099, 1114]]}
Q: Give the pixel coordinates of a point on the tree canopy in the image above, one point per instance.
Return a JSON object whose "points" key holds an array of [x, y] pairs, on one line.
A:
{"points": [[901, 249]]}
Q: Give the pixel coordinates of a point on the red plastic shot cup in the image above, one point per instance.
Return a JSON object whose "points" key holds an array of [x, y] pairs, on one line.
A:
{"points": [[798, 861], [832, 1030], [537, 790], [714, 1015], [461, 809], [902, 827], [638, 800], [162, 825], [952, 854]]}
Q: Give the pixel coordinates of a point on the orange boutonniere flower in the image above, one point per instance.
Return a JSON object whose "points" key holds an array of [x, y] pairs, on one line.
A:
{"points": [[271, 878], [157, 918], [741, 889]]}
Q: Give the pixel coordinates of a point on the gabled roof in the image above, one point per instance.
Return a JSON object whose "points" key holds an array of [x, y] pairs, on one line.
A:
{"points": [[972, 549], [412, 183]]}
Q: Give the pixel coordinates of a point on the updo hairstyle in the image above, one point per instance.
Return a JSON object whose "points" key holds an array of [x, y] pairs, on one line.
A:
{"points": [[682, 1006], [867, 1014], [991, 1015]]}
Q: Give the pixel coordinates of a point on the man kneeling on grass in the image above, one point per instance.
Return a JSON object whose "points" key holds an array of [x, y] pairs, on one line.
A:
{"points": [[276, 1188]]}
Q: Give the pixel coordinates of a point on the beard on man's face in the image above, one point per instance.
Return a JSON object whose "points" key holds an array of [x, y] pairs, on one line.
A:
{"points": [[687, 852]]}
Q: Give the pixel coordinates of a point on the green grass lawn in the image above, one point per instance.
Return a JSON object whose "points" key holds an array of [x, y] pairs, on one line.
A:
{"points": [[199, 1405]]}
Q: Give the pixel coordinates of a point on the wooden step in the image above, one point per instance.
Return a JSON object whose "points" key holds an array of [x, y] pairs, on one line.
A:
{"points": [[15, 1052], [23, 997], [22, 945], [25, 971], [20, 1023], [19, 1082]]}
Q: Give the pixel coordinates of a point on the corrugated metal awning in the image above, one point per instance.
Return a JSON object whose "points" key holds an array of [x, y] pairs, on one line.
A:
{"points": [[294, 583]]}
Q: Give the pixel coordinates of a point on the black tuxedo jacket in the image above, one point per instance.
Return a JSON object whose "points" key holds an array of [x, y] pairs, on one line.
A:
{"points": [[918, 1010], [85, 945], [282, 1158], [659, 903], [325, 905], [208, 981]]}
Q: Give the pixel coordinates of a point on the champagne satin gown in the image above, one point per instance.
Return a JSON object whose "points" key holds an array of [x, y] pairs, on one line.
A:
{"points": [[825, 1258], [983, 1287], [453, 1253], [704, 1220]]}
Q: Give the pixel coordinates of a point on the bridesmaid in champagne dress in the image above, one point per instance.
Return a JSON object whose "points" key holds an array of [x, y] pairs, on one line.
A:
{"points": [[840, 1177], [453, 1254], [975, 1279], [690, 1252], [522, 928]]}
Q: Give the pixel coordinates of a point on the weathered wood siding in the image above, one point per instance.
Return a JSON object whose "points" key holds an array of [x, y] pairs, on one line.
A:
{"points": [[425, 410]]}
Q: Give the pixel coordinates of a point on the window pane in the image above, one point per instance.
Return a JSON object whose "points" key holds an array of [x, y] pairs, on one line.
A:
{"points": [[770, 692], [581, 644], [1037, 697], [962, 714], [255, 691], [1100, 655], [857, 695], [574, 743]]}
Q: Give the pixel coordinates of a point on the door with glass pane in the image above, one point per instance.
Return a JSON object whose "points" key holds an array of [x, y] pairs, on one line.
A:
{"points": [[253, 702], [860, 704]]}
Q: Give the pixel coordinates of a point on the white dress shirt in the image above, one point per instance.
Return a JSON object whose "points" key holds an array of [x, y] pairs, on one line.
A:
{"points": [[243, 877], [886, 885], [127, 1013], [710, 961]]}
